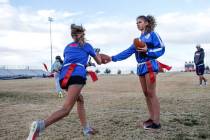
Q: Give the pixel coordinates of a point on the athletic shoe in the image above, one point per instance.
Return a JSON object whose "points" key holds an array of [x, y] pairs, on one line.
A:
{"points": [[60, 94], [152, 126], [36, 128], [147, 122], [205, 83], [34, 131], [87, 131]]}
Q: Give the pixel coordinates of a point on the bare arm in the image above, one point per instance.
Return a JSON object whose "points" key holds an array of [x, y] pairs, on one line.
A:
{"points": [[97, 58]]}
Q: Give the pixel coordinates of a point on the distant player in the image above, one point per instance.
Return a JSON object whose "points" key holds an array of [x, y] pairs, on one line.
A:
{"points": [[55, 69], [72, 78], [199, 63]]}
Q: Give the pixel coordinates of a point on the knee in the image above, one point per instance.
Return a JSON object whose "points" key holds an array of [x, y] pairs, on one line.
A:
{"points": [[80, 99], [145, 93], [149, 94]]}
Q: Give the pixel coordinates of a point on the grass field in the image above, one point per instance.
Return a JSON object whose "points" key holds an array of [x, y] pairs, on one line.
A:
{"points": [[114, 105]]}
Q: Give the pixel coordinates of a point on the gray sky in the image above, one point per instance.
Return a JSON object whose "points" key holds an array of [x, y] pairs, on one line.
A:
{"points": [[110, 25]]}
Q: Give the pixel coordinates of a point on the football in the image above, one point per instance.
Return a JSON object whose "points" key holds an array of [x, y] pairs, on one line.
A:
{"points": [[105, 58], [138, 43]]}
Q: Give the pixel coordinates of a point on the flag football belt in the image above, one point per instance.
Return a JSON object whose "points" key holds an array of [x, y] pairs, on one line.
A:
{"points": [[150, 70], [68, 74], [71, 69]]}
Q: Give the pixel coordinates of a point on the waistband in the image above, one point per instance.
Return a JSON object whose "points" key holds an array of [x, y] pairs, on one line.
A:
{"points": [[200, 64], [142, 63], [79, 64]]}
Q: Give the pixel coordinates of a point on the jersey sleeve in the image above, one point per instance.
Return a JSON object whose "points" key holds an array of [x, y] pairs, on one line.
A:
{"points": [[90, 50], [124, 54], [158, 49]]}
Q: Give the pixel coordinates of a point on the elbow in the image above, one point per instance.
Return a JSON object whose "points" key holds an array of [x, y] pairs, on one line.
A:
{"points": [[99, 63]]}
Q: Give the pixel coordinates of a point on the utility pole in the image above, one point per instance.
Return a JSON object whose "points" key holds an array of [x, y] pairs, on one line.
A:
{"points": [[50, 19]]}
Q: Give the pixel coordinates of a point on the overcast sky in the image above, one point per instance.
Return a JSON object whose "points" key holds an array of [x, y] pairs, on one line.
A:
{"points": [[110, 25]]}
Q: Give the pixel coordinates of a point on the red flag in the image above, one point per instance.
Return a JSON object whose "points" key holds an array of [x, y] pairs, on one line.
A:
{"points": [[93, 76], [164, 66], [45, 66]]}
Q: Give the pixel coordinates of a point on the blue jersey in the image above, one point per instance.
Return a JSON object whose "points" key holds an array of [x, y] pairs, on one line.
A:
{"points": [[155, 48], [76, 54]]}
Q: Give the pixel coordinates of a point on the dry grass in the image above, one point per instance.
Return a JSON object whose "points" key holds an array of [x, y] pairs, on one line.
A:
{"points": [[114, 105]]}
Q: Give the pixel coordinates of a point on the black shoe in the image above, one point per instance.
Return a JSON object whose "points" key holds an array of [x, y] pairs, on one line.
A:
{"points": [[152, 126], [147, 122]]}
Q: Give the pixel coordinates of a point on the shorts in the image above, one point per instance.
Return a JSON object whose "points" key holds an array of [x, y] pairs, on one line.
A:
{"points": [[74, 80], [143, 70], [200, 69]]}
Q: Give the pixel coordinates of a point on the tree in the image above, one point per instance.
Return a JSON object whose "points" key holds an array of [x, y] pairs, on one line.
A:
{"points": [[107, 71], [119, 72], [97, 71], [207, 68], [132, 72]]}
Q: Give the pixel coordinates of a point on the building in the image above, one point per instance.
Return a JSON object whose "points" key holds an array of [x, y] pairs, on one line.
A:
{"points": [[189, 66]]}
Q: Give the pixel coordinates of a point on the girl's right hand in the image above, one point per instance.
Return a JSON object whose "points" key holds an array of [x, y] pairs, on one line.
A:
{"points": [[105, 58]]}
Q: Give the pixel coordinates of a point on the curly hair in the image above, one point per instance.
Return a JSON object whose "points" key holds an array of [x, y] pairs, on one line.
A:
{"points": [[76, 29], [151, 22]]}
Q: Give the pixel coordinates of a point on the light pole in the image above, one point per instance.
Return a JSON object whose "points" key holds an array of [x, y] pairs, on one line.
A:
{"points": [[50, 19]]}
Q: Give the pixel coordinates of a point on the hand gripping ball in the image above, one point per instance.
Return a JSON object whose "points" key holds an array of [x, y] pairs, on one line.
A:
{"points": [[105, 58], [138, 43]]}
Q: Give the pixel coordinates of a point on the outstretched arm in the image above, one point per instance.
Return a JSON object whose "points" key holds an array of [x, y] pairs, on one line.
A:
{"points": [[97, 58], [95, 55], [124, 54]]}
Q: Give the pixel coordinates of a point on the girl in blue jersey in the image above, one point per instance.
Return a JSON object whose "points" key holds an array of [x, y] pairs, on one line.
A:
{"points": [[147, 67], [72, 79]]}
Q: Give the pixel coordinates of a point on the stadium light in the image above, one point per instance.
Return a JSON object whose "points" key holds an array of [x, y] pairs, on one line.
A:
{"points": [[50, 19]]}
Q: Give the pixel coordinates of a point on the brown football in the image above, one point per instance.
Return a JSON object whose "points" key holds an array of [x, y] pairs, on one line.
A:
{"points": [[138, 43], [104, 58]]}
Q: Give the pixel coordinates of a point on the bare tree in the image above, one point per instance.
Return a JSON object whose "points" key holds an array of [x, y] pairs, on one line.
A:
{"points": [[119, 72], [107, 71], [131, 72], [97, 71]]}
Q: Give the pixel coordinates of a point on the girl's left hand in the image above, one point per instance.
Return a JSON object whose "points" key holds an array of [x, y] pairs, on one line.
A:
{"points": [[142, 49]]}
